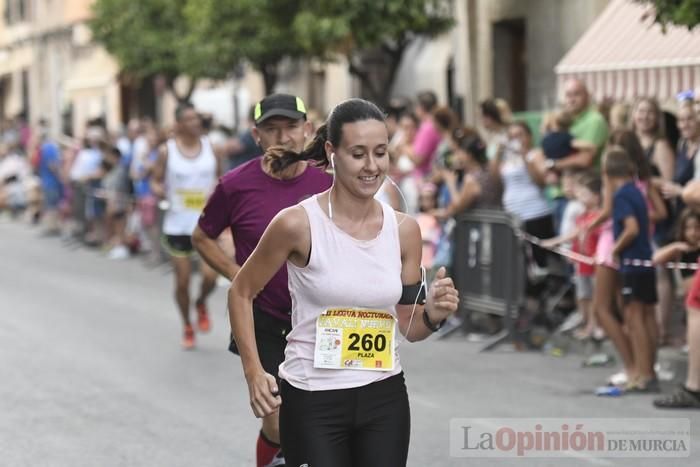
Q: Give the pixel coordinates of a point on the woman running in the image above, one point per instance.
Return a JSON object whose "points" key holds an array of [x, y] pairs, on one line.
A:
{"points": [[355, 279]]}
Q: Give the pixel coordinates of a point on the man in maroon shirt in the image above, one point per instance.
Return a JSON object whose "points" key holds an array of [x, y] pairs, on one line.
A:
{"points": [[245, 200]]}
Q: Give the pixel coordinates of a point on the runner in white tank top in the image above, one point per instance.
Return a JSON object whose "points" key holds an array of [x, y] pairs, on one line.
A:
{"points": [[185, 174], [355, 282], [188, 183]]}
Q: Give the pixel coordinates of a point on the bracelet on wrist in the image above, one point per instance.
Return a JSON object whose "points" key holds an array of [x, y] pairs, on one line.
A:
{"points": [[429, 324]]}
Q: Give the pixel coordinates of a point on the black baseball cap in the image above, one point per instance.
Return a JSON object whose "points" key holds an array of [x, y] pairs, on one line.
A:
{"points": [[279, 105]]}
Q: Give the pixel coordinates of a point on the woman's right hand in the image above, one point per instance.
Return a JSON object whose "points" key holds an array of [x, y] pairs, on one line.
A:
{"points": [[264, 394]]}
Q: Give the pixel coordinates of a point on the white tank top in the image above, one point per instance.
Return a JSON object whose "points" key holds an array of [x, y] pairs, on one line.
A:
{"points": [[188, 184], [521, 195], [342, 272]]}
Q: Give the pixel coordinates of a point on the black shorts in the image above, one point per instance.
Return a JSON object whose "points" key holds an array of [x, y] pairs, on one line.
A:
{"points": [[178, 245], [271, 339], [368, 426], [639, 287]]}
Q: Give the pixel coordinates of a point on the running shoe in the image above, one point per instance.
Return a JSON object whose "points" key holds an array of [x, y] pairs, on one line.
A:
{"points": [[277, 461], [188, 338], [203, 323]]}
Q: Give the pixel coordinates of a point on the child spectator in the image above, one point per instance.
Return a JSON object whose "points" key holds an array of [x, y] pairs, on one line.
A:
{"points": [[587, 191], [574, 207], [557, 142], [631, 232], [141, 171], [115, 184], [429, 225], [564, 154], [628, 140], [686, 249]]}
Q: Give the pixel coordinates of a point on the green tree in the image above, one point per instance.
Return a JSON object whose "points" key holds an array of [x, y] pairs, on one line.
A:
{"points": [[149, 38], [680, 12], [257, 31], [372, 34]]}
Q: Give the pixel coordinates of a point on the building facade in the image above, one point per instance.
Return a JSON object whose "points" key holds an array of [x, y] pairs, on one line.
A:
{"points": [[50, 68]]}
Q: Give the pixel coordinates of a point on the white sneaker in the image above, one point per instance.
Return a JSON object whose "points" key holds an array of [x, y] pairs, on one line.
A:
{"points": [[618, 379], [118, 252]]}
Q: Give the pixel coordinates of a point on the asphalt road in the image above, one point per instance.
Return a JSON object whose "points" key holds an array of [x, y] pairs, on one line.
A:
{"points": [[92, 374]]}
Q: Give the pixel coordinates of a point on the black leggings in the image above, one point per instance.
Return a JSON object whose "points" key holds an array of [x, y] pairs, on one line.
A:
{"points": [[358, 427]]}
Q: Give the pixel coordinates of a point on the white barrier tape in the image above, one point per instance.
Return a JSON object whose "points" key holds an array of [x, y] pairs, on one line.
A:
{"points": [[670, 265], [580, 258], [565, 252]]}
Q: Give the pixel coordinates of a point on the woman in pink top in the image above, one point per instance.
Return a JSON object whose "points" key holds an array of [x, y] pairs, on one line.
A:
{"points": [[355, 280]]}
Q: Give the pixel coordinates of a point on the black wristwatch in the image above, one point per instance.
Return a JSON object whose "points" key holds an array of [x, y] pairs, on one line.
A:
{"points": [[429, 324]]}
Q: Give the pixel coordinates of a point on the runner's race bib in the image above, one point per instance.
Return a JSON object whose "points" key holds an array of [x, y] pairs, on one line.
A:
{"points": [[355, 338], [192, 199]]}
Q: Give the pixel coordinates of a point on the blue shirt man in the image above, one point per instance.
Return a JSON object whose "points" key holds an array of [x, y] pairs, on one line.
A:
{"points": [[49, 168]]}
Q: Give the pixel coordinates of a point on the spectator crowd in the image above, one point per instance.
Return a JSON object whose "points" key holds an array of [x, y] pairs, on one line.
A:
{"points": [[578, 186]]}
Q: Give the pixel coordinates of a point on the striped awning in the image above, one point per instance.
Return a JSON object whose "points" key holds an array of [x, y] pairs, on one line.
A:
{"points": [[624, 55]]}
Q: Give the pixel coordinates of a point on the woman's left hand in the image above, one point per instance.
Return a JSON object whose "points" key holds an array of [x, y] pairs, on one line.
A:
{"points": [[443, 298]]}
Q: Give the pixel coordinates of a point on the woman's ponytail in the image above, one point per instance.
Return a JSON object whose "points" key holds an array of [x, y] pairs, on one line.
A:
{"points": [[349, 111], [315, 151]]}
